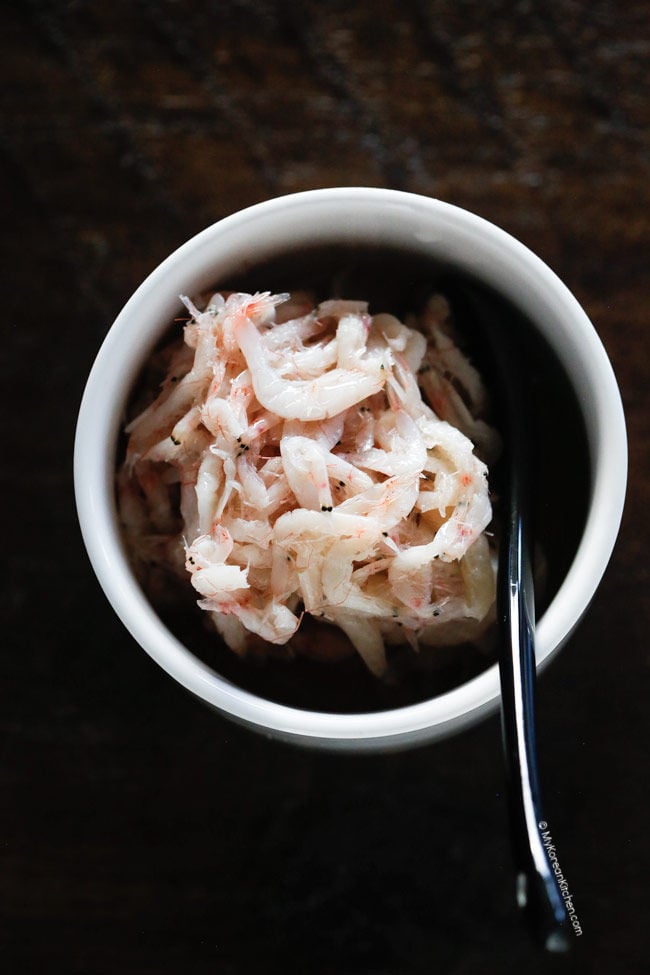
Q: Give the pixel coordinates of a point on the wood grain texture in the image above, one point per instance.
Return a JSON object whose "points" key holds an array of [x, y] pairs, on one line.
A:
{"points": [[140, 832]]}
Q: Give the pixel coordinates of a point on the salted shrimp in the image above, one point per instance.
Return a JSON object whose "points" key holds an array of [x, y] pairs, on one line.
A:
{"points": [[332, 392], [294, 462]]}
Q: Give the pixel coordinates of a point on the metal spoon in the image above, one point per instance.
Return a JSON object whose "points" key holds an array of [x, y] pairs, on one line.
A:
{"points": [[537, 889], [538, 893]]}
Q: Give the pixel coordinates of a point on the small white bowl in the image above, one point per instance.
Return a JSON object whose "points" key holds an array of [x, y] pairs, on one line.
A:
{"points": [[366, 217]]}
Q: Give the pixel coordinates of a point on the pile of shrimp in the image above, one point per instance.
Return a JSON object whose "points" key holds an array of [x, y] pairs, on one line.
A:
{"points": [[317, 460]]}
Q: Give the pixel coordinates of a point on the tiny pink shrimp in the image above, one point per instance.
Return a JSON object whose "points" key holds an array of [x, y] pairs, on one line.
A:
{"points": [[305, 466], [258, 309], [313, 476], [385, 504], [206, 563], [262, 424], [307, 399]]}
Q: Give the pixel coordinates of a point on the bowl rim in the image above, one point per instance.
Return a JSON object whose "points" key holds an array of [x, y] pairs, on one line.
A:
{"points": [[94, 472]]}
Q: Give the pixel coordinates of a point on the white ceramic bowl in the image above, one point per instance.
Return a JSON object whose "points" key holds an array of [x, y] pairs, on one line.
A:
{"points": [[343, 216]]}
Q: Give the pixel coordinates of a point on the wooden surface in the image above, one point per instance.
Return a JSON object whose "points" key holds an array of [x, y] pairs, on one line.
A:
{"points": [[140, 832]]}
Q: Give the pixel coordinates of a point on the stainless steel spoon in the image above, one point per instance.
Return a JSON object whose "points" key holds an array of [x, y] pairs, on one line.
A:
{"points": [[537, 890]]}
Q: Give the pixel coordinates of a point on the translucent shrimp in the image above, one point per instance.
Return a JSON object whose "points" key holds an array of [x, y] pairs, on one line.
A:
{"points": [[206, 562], [385, 504], [300, 469], [306, 399], [305, 465]]}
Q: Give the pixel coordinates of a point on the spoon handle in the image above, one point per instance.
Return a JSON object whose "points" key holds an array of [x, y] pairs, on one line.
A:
{"points": [[537, 890]]}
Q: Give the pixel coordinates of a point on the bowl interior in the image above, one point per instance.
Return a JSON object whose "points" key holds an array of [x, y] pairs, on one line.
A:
{"points": [[399, 280]]}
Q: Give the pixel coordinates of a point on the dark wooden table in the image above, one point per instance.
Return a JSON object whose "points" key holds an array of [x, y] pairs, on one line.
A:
{"points": [[140, 832]]}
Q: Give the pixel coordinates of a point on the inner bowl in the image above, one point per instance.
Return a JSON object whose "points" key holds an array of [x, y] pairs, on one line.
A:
{"points": [[392, 249]]}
